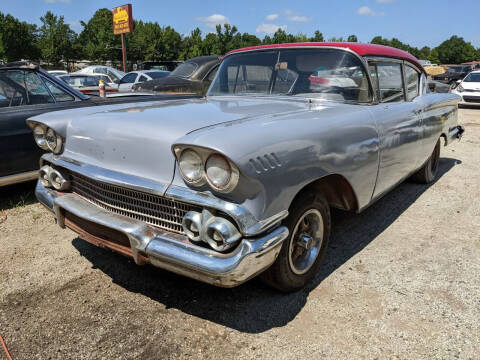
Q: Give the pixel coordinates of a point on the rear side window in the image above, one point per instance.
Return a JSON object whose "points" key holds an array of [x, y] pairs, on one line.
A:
{"points": [[185, 69], [58, 93], [37, 90], [142, 78], [413, 82], [390, 82], [12, 88]]}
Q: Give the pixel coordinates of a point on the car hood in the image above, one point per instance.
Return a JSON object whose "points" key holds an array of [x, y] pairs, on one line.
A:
{"points": [[137, 138], [471, 85]]}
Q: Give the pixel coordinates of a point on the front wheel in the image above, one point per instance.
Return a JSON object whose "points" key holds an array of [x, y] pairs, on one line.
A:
{"points": [[428, 171], [303, 251]]}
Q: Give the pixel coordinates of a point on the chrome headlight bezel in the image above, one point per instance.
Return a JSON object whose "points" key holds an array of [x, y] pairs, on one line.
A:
{"points": [[47, 138], [232, 178], [192, 181], [205, 154], [39, 134]]}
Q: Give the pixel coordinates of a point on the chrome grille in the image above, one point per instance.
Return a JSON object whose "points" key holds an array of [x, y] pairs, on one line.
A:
{"points": [[152, 209]]}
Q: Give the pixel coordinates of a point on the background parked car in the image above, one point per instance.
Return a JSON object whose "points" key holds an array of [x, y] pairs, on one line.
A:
{"points": [[469, 89], [191, 77], [140, 76], [158, 65], [453, 74], [88, 83], [58, 72], [114, 74], [27, 90]]}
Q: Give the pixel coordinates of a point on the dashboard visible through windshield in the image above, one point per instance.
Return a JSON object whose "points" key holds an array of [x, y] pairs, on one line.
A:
{"points": [[328, 74]]}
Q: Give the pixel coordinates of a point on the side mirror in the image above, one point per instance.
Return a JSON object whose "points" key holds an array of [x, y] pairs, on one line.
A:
{"points": [[458, 81]]}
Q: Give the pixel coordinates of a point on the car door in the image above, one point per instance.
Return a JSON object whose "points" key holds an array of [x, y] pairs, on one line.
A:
{"points": [[127, 82], [399, 122], [27, 94]]}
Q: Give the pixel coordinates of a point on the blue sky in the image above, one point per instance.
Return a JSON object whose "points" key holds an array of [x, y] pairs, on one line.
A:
{"points": [[418, 23]]}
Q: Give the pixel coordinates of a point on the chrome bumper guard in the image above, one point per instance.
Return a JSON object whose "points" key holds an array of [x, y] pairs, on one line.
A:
{"points": [[250, 257]]}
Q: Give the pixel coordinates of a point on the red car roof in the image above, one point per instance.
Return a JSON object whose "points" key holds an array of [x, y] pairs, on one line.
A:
{"points": [[360, 49]]}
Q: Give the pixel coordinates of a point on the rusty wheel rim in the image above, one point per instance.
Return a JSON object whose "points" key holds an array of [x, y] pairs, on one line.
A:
{"points": [[306, 241]]}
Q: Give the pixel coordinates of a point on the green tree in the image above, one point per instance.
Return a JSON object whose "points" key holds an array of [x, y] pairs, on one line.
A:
{"points": [[97, 38], [335, 39], [456, 50], [55, 39], [192, 45], [317, 37], [17, 39], [281, 36], [225, 38], [352, 38]]}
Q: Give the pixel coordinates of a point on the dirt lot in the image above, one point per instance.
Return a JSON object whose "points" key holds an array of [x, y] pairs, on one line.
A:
{"points": [[401, 281]]}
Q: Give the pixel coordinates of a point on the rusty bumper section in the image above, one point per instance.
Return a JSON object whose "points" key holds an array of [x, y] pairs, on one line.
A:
{"points": [[167, 250]]}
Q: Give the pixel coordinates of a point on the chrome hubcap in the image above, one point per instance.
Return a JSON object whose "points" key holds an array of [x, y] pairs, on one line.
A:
{"points": [[306, 241]]}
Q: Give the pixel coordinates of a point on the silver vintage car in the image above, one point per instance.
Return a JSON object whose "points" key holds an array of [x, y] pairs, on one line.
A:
{"points": [[241, 182]]}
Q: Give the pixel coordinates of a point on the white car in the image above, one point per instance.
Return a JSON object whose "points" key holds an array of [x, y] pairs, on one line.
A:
{"points": [[114, 74], [140, 76], [58, 72], [469, 89]]}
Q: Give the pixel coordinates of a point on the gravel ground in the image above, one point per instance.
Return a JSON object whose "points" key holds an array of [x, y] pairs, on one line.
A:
{"points": [[401, 281]]}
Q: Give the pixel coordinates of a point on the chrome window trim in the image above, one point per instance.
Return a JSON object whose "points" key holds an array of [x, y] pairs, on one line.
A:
{"points": [[361, 58], [401, 62]]}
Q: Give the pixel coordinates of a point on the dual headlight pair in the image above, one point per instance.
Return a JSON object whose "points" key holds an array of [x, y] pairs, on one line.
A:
{"points": [[199, 166], [47, 139]]}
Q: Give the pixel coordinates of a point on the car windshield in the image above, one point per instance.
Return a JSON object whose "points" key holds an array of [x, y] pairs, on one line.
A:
{"points": [[185, 69], [81, 81], [455, 69], [472, 77], [328, 74]]}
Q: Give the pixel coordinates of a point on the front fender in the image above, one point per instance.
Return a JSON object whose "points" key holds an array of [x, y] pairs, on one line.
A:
{"points": [[279, 155]]}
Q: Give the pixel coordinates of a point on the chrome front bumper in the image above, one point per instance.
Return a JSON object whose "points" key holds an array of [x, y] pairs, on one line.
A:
{"points": [[250, 257]]}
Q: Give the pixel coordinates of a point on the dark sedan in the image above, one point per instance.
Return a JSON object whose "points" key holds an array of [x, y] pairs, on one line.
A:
{"points": [[27, 90], [453, 74], [191, 77]]}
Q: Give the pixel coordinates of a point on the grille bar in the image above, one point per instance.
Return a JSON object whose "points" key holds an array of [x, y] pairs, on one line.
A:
{"points": [[152, 209]]}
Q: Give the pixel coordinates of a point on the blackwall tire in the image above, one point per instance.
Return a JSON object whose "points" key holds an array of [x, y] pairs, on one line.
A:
{"points": [[428, 171], [302, 253]]}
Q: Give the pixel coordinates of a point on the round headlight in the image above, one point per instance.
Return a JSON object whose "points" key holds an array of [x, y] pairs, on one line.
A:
{"points": [[219, 171], [51, 139], [191, 166], [39, 136]]}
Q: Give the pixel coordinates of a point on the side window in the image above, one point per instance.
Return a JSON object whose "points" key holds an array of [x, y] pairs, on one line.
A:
{"points": [[142, 78], [12, 88], [413, 82], [37, 90], [390, 82], [58, 93], [211, 74], [129, 78]]}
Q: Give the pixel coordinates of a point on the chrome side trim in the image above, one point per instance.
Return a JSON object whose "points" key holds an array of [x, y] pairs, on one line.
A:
{"points": [[18, 178], [167, 250], [248, 225]]}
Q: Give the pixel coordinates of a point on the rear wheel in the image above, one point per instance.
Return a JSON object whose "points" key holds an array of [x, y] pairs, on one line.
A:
{"points": [[429, 170], [303, 251]]}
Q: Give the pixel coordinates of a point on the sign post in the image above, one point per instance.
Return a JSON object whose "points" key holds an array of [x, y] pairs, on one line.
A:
{"points": [[123, 24]]}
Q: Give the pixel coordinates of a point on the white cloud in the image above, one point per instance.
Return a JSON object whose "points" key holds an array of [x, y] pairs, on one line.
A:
{"points": [[385, 1], [292, 16], [272, 17], [214, 20], [270, 28], [366, 11], [57, 1], [75, 25]]}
